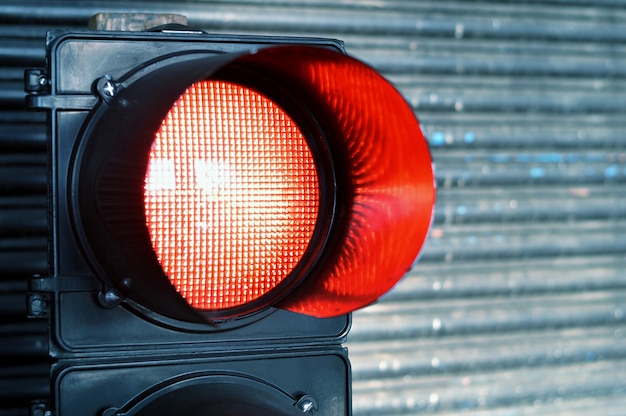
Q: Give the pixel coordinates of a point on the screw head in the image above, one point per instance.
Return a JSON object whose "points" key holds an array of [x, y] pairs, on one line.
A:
{"points": [[109, 89], [39, 305], [307, 403], [110, 298]]}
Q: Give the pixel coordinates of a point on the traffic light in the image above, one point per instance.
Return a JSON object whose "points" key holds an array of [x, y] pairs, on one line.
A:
{"points": [[218, 207]]}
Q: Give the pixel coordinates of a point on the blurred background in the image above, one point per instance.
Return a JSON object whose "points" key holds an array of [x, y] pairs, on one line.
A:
{"points": [[517, 305]]}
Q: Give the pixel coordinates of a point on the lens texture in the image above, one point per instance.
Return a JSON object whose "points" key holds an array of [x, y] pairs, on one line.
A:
{"points": [[231, 195]]}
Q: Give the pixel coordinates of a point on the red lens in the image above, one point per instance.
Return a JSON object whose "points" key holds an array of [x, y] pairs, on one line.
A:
{"points": [[231, 196]]}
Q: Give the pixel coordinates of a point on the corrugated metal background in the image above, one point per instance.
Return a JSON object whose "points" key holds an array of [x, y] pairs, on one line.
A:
{"points": [[518, 305]]}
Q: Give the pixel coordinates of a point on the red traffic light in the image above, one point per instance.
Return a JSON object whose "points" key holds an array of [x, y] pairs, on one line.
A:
{"points": [[220, 185]]}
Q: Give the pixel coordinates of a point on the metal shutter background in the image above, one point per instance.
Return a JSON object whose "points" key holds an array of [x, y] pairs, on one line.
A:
{"points": [[518, 304]]}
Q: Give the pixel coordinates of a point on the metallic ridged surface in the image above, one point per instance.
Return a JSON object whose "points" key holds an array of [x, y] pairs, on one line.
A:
{"points": [[518, 305]]}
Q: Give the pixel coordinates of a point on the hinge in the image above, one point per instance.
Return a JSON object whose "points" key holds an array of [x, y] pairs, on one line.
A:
{"points": [[38, 89], [41, 291]]}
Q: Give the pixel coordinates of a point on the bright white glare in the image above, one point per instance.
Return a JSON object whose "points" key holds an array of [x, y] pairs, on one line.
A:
{"points": [[161, 175], [211, 176]]}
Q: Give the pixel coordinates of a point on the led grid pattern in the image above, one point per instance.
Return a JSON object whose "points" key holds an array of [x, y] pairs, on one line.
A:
{"points": [[231, 195]]}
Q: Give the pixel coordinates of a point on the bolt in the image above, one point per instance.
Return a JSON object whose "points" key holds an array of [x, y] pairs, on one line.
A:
{"points": [[112, 296], [38, 305], [307, 403], [306, 406], [110, 299], [109, 89]]}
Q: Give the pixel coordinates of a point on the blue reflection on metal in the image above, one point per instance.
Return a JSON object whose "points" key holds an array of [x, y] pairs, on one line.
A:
{"points": [[537, 172], [612, 171], [500, 158], [438, 138], [549, 158]]}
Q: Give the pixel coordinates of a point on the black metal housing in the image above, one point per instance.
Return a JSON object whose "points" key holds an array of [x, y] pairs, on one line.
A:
{"points": [[267, 383], [101, 341]]}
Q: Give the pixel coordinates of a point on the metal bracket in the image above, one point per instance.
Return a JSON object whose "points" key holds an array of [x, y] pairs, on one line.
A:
{"points": [[39, 299], [61, 102], [134, 21], [39, 284], [38, 89]]}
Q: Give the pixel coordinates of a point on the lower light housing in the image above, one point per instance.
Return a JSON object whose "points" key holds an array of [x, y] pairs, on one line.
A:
{"points": [[223, 394]]}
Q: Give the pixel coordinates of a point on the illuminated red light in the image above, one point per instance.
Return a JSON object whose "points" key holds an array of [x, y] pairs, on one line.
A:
{"points": [[231, 195], [243, 214]]}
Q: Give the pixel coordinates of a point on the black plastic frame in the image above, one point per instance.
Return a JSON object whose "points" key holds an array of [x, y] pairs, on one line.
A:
{"points": [[265, 381], [77, 62], [109, 355], [108, 170]]}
